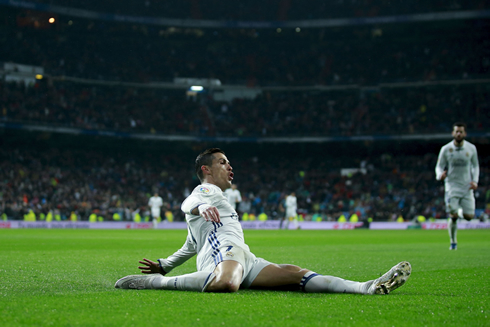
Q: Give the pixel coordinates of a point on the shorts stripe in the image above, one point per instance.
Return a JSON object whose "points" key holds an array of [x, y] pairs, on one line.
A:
{"points": [[215, 244]]}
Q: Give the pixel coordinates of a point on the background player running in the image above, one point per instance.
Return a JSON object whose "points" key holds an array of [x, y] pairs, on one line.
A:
{"points": [[458, 167]]}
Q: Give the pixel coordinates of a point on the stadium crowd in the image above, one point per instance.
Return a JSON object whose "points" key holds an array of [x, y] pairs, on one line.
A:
{"points": [[302, 113], [352, 55], [67, 181], [277, 10]]}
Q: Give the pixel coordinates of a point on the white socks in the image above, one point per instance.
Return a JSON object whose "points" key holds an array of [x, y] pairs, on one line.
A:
{"points": [[452, 228], [315, 283], [197, 282]]}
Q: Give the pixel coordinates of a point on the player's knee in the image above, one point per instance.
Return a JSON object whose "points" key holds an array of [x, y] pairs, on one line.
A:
{"points": [[225, 285], [468, 216]]}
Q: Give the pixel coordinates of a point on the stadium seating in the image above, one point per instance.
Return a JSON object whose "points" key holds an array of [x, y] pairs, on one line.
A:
{"points": [[412, 110], [116, 176], [354, 80]]}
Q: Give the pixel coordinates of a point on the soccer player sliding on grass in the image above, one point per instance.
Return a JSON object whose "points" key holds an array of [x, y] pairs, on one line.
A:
{"points": [[224, 261]]}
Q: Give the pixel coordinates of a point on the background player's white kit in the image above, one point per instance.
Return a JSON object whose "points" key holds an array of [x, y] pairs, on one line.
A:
{"points": [[155, 203], [233, 195], [462, 168], [458, 166], [291, 204]]}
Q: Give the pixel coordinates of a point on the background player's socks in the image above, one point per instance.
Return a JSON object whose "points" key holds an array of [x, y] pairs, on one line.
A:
{"points": [[452, 228], [197, 282], [314, 283]]}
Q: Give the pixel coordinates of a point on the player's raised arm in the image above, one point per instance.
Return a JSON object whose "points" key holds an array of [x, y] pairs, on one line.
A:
{"points": [[209, 213]]}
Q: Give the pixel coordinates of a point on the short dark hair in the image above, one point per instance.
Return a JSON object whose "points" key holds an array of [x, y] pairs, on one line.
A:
{"points": [[205, 158], [459, 124]]}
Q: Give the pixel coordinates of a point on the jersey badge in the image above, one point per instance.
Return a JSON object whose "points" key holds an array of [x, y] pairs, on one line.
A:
{"points": [[467, 154], [204, 190], [230, 254], [451, 150]]}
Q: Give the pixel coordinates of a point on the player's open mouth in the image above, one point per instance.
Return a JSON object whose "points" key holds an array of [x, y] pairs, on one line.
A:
{"points": [[231, 176]]}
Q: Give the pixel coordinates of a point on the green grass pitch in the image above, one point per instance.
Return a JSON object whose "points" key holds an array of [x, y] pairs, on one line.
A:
{"points": [[66, 278]]}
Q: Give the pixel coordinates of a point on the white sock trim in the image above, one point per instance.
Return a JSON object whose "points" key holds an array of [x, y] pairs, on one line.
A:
{"points": [[306, 278]]}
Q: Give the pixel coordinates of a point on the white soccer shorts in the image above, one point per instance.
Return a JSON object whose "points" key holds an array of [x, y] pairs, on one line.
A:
{"points": [[467, 203]]}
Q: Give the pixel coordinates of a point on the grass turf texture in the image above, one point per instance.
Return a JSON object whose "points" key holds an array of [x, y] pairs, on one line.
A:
{"points": [[55, 277]]}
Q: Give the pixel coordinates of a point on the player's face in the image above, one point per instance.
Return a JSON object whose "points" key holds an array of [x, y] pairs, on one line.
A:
{"points": [[459, 133], [221, 171]]}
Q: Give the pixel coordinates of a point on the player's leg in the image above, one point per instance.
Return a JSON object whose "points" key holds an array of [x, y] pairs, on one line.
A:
{"points": [[281, 276], [228, 277], [289, 218], [453, 210], [461, 208], [277, 276], [295, 221], [198, 282], [284, 276], [468, 206], [156, 217]]}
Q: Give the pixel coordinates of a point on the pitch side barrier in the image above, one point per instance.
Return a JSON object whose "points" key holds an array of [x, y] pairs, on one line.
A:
{"points": [[270, 224]]}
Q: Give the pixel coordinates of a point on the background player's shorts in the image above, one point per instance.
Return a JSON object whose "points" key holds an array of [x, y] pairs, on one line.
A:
{"points": [[467, 203], [291, 213], [155, 212]]}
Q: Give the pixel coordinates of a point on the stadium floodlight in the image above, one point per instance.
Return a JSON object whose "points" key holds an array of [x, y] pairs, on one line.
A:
{"points": [[197, 88]]}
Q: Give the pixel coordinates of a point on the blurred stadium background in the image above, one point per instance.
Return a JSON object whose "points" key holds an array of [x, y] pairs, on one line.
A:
{"points": [[345, 102]]}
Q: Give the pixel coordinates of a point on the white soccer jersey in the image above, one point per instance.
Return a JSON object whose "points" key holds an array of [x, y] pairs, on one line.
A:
{"points": [[204, 238], [155, 202], [233, 197], [462, 168]]}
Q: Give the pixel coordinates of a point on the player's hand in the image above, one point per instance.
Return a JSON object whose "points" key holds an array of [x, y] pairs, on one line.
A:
{"points": [[473, 186], [150, 267], [444, 175], [209, 213]]}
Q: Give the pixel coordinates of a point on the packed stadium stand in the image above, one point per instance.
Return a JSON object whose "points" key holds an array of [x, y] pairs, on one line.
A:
{"points": [[352, 112], [106, 123]]}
